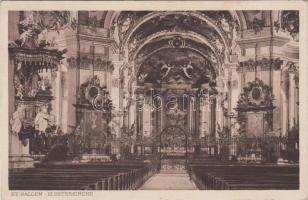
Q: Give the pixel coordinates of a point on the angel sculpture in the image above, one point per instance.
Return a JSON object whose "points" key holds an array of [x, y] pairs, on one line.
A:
{"points": [[126, 24], [166, 67], [24, 37], [185, 69], [142, 77], [225, 25], [219, 45], [19, 88]]}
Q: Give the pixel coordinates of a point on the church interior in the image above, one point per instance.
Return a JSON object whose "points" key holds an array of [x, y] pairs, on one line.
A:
{"points": [[124, 100]]}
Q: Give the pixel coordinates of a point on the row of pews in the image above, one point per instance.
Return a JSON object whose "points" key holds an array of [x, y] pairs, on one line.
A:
{"points": [[221, 176], [82, 176]]}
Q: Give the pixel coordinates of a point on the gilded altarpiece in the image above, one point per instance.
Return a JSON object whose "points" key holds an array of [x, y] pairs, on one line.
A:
{"points": [[255, 108], [93, 117]]}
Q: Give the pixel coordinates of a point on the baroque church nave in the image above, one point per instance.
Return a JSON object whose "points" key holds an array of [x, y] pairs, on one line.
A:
{"points": [[164, 92]]}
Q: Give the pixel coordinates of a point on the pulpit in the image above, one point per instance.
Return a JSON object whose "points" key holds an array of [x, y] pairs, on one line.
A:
{"points": [[32, 72]]}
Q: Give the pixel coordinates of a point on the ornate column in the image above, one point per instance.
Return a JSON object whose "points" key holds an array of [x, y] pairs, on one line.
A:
{"points": [[192, 103], [139, 92], [203, 118], [196, 114], [194, 109], [162, 111], [291, 99], [132, 121], [284, 102], [292, 104], [146, 122], [213, 116], [219, 105]]}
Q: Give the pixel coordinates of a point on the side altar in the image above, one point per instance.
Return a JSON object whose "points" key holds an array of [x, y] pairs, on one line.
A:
{"points": [[255, 119], [93, 118]]}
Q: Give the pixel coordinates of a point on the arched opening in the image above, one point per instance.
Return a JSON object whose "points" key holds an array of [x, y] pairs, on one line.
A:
{"points": [[174, 68]]}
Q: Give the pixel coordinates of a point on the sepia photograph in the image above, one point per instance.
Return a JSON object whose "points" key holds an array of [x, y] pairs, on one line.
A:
{"points": [[109, 99]]}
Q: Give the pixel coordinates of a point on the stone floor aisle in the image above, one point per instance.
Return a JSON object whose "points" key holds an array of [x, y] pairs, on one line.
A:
{"points": [[169, 180]]}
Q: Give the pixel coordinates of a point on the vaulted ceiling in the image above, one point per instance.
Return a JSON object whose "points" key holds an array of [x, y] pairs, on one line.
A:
{"points": [[153, 39], [174, 38]]}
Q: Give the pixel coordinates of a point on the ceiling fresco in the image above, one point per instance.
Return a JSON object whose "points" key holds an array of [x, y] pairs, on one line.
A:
{"points": [[175, 66], [147, 32], [203, 38], [174, 41], [149, 39], [211, 24], [175, 22]]}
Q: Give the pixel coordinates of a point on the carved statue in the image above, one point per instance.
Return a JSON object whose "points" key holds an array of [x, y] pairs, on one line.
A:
{"points": [[29, 36], [142, 77], [15, 121], [39, 22], [218, 129], [126, 24], [219, 45], [52, 119], [19, 88], [133, 44], [166, 67], [29, 83], [225, 25], [185, 69], [33, 84], [235, 129], [41, 120]]}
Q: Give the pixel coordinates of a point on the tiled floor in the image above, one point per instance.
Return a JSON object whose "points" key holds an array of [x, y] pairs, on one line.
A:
{"points": [[170, 180]]}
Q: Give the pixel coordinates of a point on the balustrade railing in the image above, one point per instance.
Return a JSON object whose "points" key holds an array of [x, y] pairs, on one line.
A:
{"points": [[72, 144], [255, 149]]}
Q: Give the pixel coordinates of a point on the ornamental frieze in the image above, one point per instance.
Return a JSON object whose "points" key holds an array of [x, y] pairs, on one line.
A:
{"points": [[264, 64], [87, 62], [39, 59]]}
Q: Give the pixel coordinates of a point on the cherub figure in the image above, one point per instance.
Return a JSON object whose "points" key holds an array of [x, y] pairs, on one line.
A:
{"points": [[166, 68]]}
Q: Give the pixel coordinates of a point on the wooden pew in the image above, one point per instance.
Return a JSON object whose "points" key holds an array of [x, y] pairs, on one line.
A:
{"points": [[237, 177], [67, 177]]}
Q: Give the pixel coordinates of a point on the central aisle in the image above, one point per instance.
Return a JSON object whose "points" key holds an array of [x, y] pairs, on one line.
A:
{"points": [[169, 180]]}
